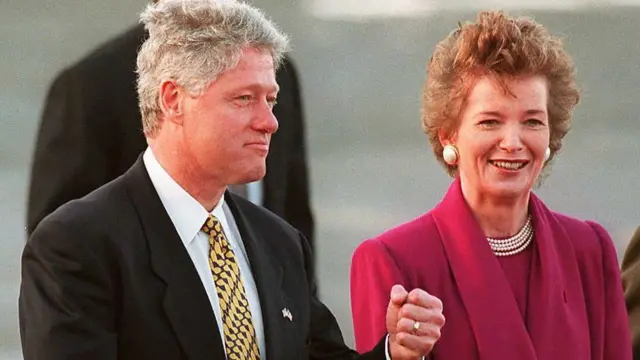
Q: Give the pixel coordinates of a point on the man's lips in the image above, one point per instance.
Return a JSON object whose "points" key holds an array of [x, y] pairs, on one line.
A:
{"points": [[259, 145]]}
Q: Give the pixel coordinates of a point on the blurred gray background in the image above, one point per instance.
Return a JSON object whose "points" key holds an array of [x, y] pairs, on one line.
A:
{"points": [[362, 65]]}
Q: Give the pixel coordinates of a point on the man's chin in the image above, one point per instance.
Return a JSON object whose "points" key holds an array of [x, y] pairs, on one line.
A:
{"points": [[253, 175]]}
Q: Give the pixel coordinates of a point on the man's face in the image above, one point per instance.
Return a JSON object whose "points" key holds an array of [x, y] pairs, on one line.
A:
{"points": [[227, 129]]}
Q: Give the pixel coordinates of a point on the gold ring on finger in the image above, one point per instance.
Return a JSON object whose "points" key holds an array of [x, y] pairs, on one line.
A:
{"points": [[416, 326]]}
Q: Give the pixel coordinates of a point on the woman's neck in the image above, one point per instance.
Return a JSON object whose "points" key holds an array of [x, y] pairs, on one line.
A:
{"points": [[498, 217]]}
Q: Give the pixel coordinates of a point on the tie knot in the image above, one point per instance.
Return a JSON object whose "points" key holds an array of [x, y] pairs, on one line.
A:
{"points": [[212, 225]]}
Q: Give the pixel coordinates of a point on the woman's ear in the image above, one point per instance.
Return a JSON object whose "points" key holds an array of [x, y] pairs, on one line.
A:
{"points": [[444, 138]]}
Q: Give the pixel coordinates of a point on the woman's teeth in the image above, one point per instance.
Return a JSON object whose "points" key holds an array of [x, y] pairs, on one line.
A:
{"points": [[509, 165]]}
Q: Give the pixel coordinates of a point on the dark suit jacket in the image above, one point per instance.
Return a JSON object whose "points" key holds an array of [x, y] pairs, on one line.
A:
{"points": [[575, 309], [91, 132], [107, 277], [631, 284]]}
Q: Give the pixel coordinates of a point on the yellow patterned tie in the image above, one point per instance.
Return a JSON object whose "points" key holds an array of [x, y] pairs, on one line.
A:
{"points": [[239, 335]]}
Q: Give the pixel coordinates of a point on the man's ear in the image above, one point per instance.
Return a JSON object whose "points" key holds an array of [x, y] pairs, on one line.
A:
{"points": [[172, 100]]}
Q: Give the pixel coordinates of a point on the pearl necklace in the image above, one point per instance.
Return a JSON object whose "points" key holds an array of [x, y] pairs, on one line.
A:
{"points": [[515, 244]]}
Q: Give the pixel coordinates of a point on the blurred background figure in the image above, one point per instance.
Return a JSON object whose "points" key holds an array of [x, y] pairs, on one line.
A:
{"points": [[631, 283], [370, 169]]}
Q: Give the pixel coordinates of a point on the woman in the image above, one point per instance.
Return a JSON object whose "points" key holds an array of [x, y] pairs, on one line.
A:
{"points": [[517, 281]]}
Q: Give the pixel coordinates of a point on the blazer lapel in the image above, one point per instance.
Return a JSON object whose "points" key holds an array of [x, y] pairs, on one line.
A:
{"points": [[487, 296], [186, 303], [267, 273], [556, 299]]}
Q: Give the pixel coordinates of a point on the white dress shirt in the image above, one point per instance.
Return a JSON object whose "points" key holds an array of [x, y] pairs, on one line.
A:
{"points": [[255, 192], [188, 216]]}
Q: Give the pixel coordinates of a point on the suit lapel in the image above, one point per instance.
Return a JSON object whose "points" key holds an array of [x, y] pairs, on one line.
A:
{"points": [[487, 296], [558, 298], [185, 303], [267, 273]]}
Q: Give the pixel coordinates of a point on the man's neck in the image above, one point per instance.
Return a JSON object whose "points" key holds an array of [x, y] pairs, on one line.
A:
{"points": [[207, 192]]}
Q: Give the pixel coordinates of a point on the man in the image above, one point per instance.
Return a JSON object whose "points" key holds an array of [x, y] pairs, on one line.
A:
{"points": [[631, 284], [90, 133], [163, 262]]}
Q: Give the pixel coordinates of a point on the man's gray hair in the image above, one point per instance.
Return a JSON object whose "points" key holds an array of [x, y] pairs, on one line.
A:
{"points": [[194, 41]]}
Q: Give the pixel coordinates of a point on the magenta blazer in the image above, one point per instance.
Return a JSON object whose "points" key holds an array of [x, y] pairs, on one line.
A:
{"points": [[575, 308]]}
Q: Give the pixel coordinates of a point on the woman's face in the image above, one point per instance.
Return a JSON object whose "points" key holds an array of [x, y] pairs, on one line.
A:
{"points": [[503, 136]]}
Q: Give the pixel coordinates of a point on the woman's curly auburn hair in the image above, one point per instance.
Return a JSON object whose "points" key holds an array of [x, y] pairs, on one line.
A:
{"points": [[501, 47]]}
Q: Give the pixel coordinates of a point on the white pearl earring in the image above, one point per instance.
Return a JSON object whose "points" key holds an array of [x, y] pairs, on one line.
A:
{"points": [[450, 154], [547, 154]]}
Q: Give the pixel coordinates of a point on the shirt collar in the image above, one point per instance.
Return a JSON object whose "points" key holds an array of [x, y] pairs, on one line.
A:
{"points": [[185, 212]]}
